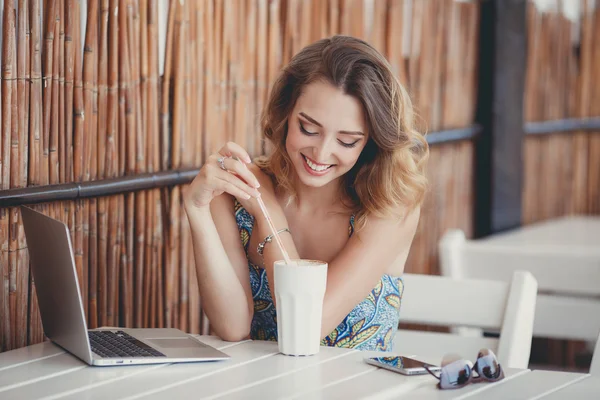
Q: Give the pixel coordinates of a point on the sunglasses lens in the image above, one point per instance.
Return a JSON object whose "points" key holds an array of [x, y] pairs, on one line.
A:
{"points": [[456, 374], [487, 365]]}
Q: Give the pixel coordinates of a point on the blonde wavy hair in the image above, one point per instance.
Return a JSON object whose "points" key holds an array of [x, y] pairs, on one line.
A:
{"points": [[388, 179]]}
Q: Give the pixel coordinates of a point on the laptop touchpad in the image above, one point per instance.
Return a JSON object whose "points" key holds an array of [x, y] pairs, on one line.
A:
{"points": [[176, 343]]}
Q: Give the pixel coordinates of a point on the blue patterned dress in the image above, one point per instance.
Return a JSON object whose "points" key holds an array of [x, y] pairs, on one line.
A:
{"points": [[369, 326]]}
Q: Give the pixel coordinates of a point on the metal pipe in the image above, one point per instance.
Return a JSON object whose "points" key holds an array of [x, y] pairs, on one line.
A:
{"points": [[562, 125], [104, 187]]}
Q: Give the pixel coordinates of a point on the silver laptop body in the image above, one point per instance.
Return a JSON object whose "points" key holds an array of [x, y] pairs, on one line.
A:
{"points": [[63, 319]]}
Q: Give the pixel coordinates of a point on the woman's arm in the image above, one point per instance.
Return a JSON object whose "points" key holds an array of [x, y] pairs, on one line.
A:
{"points": [[355, 271], [222, 268], [221, 265]]}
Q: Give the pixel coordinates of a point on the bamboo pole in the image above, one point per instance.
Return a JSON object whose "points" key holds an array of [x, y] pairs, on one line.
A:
{"points": [[154, 158], [166, 160], [47, 89], [187, 157], [53, 150], [21, 255], [36, 155], [65, 116], [139, 167], [144, 141], [221, 34], [80, 214], [8, 80], [191, 317], [190, 300], [594, 149], [65, 142], [238, 76], [274, 50], [35, 94], [584, 172], [104, 294], [69, 82], [192, 152], [126, 163], [78, 102], [89, 66], [165, 110], [60, 96], [261, 70], [96, 271], [123, 87], [198, 76], [111, 165], [394, 43], [188, 102], [246, 106], [174, 216], [229, 72], [210, 78]]}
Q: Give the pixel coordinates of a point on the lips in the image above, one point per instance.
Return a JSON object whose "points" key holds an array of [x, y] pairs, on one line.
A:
{"points": [[315, 168]]}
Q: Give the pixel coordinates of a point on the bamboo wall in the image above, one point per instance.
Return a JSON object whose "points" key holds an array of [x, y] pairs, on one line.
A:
{"points": [[71, 115], [561, 170]]}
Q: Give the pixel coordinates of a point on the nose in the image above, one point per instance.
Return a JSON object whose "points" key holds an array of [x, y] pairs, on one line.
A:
{"points": [[323, 150]]}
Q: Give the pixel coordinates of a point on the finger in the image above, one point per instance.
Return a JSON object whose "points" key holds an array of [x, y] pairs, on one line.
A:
{"points": [[232, 149], [238, 183], [242, 171], [233, 190]]}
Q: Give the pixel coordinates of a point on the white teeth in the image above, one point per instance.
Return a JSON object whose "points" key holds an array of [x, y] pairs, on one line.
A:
{"points": [[316, 167]]}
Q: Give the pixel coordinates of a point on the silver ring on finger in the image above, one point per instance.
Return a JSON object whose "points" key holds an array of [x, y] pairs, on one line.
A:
{"points": [[221, 161]]}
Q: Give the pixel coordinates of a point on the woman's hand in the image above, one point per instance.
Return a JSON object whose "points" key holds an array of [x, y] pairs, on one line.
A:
{"points": [[267, 194], [223, 173]]}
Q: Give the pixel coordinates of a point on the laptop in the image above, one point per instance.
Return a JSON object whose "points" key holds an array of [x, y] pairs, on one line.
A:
{"points": [[63, 319]]}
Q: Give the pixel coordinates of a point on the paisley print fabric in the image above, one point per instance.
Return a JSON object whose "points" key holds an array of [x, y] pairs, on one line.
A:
{"points": [[371, 325]]}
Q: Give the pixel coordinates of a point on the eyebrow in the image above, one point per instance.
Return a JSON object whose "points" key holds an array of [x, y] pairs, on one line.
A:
{"points": [[315, 122]]}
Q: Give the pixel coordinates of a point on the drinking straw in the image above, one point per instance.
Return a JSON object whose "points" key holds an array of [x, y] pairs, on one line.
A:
{"points": [[263, 208], [275, 234]]}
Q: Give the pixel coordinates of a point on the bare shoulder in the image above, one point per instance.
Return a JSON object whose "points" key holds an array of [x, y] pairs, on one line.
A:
{"points": [[387, 241], [381, 228]]}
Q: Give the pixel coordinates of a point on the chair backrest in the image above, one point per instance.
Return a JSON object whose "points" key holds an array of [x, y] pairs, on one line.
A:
{"points": [[567, 280], [595, 366], [496, 305]]}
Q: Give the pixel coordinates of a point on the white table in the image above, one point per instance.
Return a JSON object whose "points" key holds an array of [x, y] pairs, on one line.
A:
{"points": [[257, 371], [574, 233]]}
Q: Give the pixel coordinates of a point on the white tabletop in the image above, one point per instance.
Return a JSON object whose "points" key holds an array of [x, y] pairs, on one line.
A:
{"points": [[256, 371], [573, 232]]}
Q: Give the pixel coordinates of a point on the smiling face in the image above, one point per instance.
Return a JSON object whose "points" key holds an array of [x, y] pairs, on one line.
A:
{"points": [[326, 134]]}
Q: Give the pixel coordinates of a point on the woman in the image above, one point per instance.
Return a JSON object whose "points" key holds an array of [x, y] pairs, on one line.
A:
{"points": [[343, 184]]}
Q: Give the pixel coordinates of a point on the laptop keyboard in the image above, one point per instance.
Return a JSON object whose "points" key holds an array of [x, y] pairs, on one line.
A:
{"points": [[108, 344]]}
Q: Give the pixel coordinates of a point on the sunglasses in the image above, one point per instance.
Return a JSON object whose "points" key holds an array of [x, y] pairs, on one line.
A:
{"points": [[457, 372]]}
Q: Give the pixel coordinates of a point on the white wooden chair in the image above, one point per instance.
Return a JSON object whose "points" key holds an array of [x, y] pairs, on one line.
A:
{"points": [[595, 366], [492, 305], [568, 303]]}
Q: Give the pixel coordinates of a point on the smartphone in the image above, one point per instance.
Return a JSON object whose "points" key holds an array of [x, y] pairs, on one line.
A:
{"points": [[402, 365]]}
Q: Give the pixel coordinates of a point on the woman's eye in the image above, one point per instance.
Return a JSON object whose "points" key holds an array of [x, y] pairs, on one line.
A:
{"points": [[349, 144], [303, 129]]}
